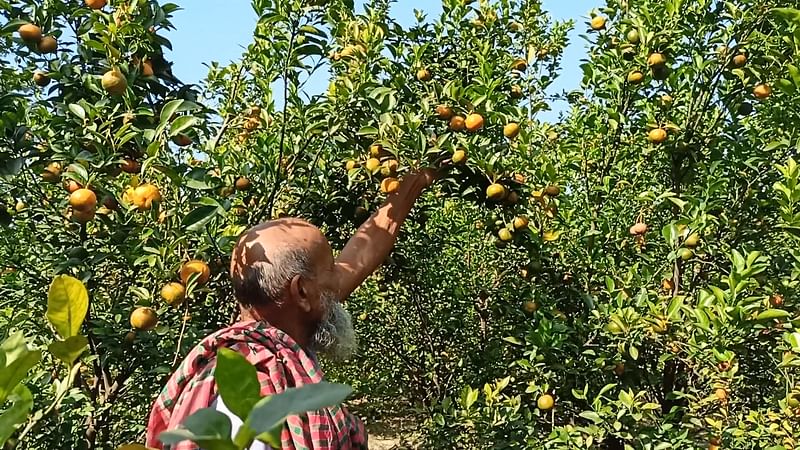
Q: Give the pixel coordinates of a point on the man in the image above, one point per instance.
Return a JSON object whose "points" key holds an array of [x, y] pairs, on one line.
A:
{"points": [[289, 288]]}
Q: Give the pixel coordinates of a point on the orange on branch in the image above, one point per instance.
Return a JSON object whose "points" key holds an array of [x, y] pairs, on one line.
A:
{"points": [[457, 123], [195, 266], [30, 33], [474, 122], [390, 185], [657, 135], [96, 4], [242, 183], [444, 112], [511, 130], [459, 156], [83, 200], [144, 318], [41, 79], [545, 402], [598, 23], [173, 293], [762, 91], [47, 44], [496, 192], [114, 82]]}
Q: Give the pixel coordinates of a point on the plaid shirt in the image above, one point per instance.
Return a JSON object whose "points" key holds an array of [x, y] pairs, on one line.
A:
{"points": [[281, 363]]}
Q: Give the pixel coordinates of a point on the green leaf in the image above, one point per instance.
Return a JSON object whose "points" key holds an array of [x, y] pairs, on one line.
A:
{"points": [[367, 131], [593, 416], [67, 304], [634, 352], [12, 348], [772, 314], [69, 350], [208, 428], [17, 413], [15, 371], [182, 124], [77, 110], [272, 411], [170, 109], [237, 382], [197, 219], [788, 14], [675, 307]]}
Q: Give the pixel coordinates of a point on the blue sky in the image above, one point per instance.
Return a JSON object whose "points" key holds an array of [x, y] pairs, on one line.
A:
{"points": [[218, 30]]}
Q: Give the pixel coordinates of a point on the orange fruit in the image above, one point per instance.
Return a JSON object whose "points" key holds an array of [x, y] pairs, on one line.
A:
{"points": [[82, 216], [390, 185], [373, 164], [130, 166], [424, 75], [520, 65], [598, 23], [83, 200], [633, 36], [252, 123], [520, 222], [195, 266], [30, 33], [444, 112], [144, 318], [52, 173], [511, 130], [144, 195], [96, 4], [638, 229], [459, 156], [762, 91], [496, 192], [635, 77], [530, 307], [552, 190], [505, 235], [182, 140], [242, 184], [692, 241], [114, 82], [685, 254], [350, 165], [457, 123], [389, 168], [656, 60], [776, 300], [657, 135], [72, 186], [48, 44], [474, 122], [147, 68], [41, 79], [173, 293], [545, 402], [721, 394], [739, 60], [375, 150]]}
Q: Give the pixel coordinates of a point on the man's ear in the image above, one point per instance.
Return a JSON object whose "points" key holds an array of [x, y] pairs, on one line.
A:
{"points": [[299, 293]]}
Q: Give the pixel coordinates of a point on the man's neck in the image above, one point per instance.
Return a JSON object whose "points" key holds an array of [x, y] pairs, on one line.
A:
{"points": [[276, 320]]}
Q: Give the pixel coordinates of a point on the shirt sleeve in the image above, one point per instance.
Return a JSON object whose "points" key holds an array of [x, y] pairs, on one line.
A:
{"points": [[236, 423]]}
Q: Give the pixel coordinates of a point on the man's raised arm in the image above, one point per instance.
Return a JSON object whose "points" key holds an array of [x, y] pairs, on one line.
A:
{"points": [[374, 239]]}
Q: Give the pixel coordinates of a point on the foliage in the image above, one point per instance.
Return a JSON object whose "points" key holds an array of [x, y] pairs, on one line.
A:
{"points": [[640, 269]]}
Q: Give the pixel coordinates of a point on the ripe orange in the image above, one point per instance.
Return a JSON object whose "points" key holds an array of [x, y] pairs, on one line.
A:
{"points": [[685, 254], [520, 65], [739, 60], [598, 23], [375, 150], [692, 241], [350, 165], [242, 184], [457, 123], [552, 190], [516, 91], [252, 123], [545, 402], [144, 318], [83, 200], [459, 156], [30, 33], [511, 130], [147, 68], [52, 173], [173, 293], [195, 266], [41, 79], [444, 112], [530, 307], [638, 229], [505, 235], [96, 4], [144, 195], [389, 168], [373, 164], [82, 216], [48, 44], [656, 60], [114, 82], [635, 77], [182, 140], [520, 222], [762, 91], [776, 300], [496, 192], [72, 186], [390, 185], [130, 166], [657, 135], [474, 122], [424, 75], [721, 394]]}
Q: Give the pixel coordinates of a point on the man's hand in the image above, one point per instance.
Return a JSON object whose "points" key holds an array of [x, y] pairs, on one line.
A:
{"points": [[373, 241]]}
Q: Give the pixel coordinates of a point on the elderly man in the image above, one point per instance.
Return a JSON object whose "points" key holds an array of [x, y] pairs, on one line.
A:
{"points": [[289, 287]]}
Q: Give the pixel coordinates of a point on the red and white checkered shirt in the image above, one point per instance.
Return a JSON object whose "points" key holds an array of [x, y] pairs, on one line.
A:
{"points": [[280, 363]]}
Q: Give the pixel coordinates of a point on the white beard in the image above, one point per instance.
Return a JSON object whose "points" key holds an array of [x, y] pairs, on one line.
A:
{"points": [[335, 336]]}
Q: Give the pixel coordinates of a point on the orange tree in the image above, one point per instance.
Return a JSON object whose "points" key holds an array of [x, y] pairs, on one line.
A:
{"points": [[622, 278]]}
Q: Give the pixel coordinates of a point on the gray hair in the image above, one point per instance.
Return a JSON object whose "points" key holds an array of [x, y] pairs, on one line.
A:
{"points": [[263, 282]]}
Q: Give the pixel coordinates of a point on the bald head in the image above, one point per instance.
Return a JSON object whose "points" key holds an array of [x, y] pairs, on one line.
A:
{"points": [[268, 255]]}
